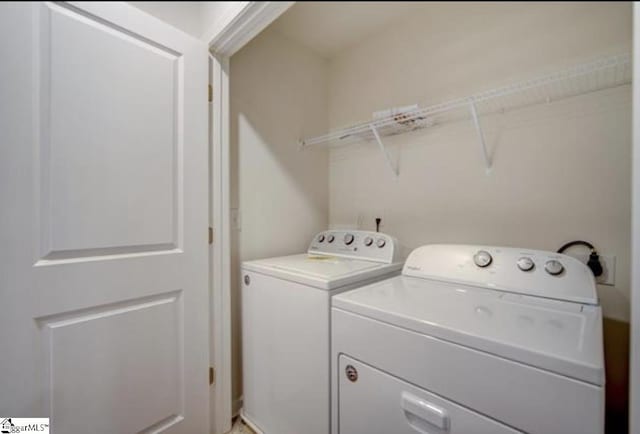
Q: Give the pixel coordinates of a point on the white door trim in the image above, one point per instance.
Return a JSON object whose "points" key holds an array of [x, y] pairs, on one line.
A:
{"points": [[221, 395], [249, 20]]}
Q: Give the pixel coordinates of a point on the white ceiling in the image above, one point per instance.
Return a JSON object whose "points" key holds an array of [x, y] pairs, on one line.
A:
{"points": [[330, 27]]}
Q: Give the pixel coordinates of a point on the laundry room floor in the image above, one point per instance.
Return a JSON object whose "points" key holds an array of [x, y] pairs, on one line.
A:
{"points": [[240, 428]]}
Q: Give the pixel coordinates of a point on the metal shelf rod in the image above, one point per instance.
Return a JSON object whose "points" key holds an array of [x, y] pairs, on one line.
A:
{"points": [[580, 79]]}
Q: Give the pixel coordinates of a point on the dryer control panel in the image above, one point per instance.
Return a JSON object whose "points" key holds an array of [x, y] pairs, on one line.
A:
{"points": [[366, 245], [523, 271]]}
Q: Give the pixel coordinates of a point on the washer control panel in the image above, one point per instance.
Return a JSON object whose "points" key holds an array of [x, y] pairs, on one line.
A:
{"points": [[373, 246], [530, 272]]}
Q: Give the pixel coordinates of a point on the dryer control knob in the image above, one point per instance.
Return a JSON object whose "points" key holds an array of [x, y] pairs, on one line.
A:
{"points": [[554, 267], [525, 264], [348, 239], [368, 241], [321, 238], [482, 258], [330, 238], [381, 242]]}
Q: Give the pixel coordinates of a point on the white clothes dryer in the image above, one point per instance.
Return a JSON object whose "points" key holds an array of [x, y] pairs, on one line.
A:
{"points": [[471, 340]]}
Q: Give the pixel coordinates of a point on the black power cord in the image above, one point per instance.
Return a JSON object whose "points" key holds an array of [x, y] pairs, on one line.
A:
{"points": [[594, 260]]}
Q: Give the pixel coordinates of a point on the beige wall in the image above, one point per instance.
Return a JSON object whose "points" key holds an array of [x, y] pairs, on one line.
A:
{"points": [[561, 171], [278, 95], [454, 49]]}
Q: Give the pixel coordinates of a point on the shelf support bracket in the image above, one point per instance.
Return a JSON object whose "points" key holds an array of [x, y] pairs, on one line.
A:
{"points": [[483, 144], [385, 152]]}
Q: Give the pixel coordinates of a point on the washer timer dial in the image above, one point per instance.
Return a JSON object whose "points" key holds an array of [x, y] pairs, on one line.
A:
{"points": [[525, 264], [482, 258], [554, 267]]}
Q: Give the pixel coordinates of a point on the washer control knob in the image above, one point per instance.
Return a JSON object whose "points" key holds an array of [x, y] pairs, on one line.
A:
{"points": [[554, 267], [525, 264], [482, 258], [368, 241], [381, 242], [330, 238], [348, 239], [321, 238]]}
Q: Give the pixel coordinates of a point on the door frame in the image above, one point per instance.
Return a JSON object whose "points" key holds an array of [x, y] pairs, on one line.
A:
{"points": [[634, 365], [245, 21]]}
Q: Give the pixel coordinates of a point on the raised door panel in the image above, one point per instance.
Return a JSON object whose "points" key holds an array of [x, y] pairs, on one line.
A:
{"points": [[116, 368], [110, 138]]}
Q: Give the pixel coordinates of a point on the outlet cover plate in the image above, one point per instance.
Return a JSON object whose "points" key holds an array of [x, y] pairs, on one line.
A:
{"points": [[608, 262]]}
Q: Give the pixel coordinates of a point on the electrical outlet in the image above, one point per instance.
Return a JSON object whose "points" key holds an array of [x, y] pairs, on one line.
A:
{"points": [[608, 276], [366, 220], [377, 213], [608, 262]]}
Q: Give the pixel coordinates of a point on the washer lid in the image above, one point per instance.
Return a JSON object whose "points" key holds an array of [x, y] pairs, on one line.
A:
{"points": [[321, 271], [558, 336]]}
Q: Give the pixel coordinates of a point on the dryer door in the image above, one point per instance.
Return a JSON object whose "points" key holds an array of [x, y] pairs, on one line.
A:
{"points": [[373, 402]]}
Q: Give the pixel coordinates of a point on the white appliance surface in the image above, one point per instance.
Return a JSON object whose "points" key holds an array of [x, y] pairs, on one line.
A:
{"points": [[320, 271], [559, 336], [403, 408], [286, 304], [330, 265], [509, 333]]}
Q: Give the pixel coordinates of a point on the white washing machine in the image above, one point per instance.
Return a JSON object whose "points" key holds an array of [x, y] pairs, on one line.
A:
{"points": [[471, 340], [286, 303]]}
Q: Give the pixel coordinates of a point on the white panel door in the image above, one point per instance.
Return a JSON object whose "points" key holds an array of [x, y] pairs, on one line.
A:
{"points": [[103, 220]]}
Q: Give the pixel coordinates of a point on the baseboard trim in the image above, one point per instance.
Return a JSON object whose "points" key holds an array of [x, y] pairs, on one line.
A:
{"points": [[249, 423]]}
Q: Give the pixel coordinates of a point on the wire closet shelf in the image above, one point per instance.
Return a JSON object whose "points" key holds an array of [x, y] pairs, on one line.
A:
{"points": [[584, 78]]}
